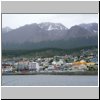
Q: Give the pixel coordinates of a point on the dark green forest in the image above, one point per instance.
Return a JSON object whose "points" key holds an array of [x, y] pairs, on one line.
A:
{"points": [[46, 52]]}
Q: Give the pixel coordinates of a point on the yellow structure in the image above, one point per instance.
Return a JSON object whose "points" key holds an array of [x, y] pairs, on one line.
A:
{"points": [[90, 63], [83, 62], [80, 62]]}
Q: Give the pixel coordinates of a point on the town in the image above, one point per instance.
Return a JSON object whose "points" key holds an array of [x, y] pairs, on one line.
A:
{"points": [[86, 61]]}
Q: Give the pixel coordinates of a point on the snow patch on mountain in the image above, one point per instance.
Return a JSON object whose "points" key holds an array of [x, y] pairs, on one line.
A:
{"points": [[52, 26]]}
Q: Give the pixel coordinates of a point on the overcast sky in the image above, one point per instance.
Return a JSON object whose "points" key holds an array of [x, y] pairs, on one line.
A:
{"points": [[16, 20]]}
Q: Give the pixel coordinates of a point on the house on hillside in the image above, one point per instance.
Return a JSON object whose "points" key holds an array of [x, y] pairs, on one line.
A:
{"points": [[95, 60]]}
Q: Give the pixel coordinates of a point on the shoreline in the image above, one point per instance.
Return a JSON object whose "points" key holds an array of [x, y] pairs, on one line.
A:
{"points": [[54, 73]]}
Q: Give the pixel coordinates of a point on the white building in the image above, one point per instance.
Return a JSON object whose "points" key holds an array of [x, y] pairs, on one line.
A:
{"points": [[60, 62], [51, 67], [34, 66], [54, 63]]}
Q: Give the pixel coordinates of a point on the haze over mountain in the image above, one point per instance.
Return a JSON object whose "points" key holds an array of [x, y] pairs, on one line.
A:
{"points": [[50, 35]]}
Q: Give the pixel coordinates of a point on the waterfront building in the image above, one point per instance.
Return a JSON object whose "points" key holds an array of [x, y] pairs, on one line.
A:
{"points": [[34, 66], [7, 68]]}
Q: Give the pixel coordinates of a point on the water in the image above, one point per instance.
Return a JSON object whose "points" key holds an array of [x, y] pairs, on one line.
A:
{"points": [[49, 80]]}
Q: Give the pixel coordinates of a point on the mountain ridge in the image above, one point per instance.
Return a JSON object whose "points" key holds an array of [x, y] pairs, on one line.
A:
{"points": [[51, 35]]}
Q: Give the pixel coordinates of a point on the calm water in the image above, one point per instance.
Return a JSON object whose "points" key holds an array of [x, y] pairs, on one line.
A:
{"points": [[49, 80]]}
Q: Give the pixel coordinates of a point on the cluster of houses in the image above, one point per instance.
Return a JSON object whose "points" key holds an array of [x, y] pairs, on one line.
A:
{"points": [[56, 63]]}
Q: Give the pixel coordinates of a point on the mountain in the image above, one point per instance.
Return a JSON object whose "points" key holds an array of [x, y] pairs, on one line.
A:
{"points": [[6, 29], [52, 26], [34, 33], [77, 31], [92, 27], [50, 35]]}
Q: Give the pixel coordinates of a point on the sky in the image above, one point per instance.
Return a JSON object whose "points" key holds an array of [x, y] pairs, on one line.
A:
{"points": [[17, 20]]}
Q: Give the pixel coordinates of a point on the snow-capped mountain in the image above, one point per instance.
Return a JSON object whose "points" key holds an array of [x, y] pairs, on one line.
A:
{"points": [[92, 27], [52, 26], [50, 35]]}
